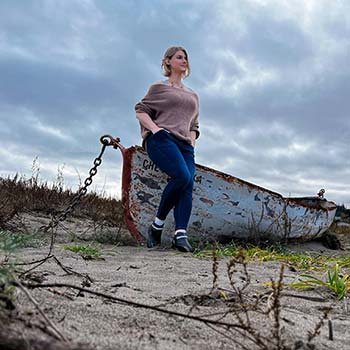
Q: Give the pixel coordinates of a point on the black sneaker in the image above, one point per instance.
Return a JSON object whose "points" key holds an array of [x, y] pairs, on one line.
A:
{"points": [[154, 235], [180, 242]]}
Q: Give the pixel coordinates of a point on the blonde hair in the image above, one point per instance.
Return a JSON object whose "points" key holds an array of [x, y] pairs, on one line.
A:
{"points": [[169, 53]]}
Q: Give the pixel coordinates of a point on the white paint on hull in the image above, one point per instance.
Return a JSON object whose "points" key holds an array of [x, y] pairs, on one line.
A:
{"points": [[225, 207]]}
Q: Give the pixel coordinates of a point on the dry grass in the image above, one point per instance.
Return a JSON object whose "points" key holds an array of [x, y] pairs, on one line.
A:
{"points": [[19, 195]]}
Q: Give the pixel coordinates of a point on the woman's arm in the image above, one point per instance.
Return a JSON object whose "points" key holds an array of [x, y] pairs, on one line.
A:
{"points": [[147, 122]]}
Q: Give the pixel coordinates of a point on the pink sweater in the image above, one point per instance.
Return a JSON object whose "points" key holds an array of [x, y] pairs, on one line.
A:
{"points": [[171, 108]]}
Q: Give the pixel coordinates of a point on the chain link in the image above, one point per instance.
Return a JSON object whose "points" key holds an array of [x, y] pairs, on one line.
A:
{"points": [[106, 140]]}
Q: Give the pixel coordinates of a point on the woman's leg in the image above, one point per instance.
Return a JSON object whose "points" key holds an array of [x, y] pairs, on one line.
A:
{"points": [[183, 206], [165, 152]]}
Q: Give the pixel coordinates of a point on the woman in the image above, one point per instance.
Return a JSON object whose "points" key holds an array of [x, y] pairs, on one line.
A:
{"points": [[168, 117]]}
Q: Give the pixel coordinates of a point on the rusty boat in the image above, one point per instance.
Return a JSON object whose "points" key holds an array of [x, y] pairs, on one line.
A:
{"points": [[224, 207]]}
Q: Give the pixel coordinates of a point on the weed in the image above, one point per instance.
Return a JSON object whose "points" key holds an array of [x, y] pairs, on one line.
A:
{"points": [[9, 241], [8, 244], [6, 288], [220, 251], [239, 302], [335, 280], [300, 261], [86, 251]]}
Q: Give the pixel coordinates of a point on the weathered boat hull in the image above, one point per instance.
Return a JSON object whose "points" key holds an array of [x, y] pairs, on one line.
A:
{"points": [[224, 207]]}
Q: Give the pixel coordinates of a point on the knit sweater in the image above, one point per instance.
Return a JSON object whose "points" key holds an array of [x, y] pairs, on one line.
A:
{"points": [[171, 108]]}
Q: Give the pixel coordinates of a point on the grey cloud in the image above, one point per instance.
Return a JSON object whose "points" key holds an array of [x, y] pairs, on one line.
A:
{"points": [[51, 91], [80, 67]]}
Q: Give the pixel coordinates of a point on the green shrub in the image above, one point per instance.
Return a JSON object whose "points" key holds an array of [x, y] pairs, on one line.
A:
{"points": [[86, 251], [335, 280]]}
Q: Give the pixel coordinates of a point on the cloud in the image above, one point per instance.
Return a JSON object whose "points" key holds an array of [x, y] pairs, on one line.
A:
{"points": [[272, 76]]}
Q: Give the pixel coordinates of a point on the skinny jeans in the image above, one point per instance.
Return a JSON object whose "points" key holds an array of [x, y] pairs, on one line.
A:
{"points": [[174, 157]]}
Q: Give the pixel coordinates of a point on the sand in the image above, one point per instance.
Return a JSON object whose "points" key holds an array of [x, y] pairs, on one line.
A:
{"points": [[169, 280], [172, 281]]}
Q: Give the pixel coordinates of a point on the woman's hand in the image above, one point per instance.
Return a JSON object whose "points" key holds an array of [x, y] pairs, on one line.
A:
{"points": [[193, 138], [147, 122], [155, 130]]}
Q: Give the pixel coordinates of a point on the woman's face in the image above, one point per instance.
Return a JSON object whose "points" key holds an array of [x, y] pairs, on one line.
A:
{"points": [[178, 63]]}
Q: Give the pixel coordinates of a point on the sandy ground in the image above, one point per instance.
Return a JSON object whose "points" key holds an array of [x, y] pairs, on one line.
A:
{"points": [[169, 280], [173, 281]]}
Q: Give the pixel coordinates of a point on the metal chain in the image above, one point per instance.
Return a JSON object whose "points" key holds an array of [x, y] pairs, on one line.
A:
{"points": [[106, 140]]}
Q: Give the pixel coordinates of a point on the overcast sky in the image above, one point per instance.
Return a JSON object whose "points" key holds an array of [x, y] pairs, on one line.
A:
{"points": [[273, 77]]}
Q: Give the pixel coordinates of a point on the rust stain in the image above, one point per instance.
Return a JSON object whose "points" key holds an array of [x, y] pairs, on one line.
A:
{"points": [[207, 201], [126, 184]]}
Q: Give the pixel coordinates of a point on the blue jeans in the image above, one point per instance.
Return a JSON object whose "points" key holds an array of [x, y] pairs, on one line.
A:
{"points": [[175, 158]]}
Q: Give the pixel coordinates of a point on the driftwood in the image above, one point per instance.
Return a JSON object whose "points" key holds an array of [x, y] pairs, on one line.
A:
{"points": [[134, 303], [55, 332]]}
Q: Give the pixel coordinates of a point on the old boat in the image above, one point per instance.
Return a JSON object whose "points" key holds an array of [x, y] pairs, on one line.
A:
{"points": [[224, 207]]}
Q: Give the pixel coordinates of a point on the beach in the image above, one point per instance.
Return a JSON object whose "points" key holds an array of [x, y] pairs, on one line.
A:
{"points": [[153, 288]]}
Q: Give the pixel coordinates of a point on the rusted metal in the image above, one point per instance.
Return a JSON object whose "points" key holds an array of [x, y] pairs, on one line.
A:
{"points": [[224, 206], [321, 193], [109, 140]]}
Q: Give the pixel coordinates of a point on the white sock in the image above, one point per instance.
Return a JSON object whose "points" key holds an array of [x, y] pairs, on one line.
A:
{"points": [[159, 222], [180, 231]]}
